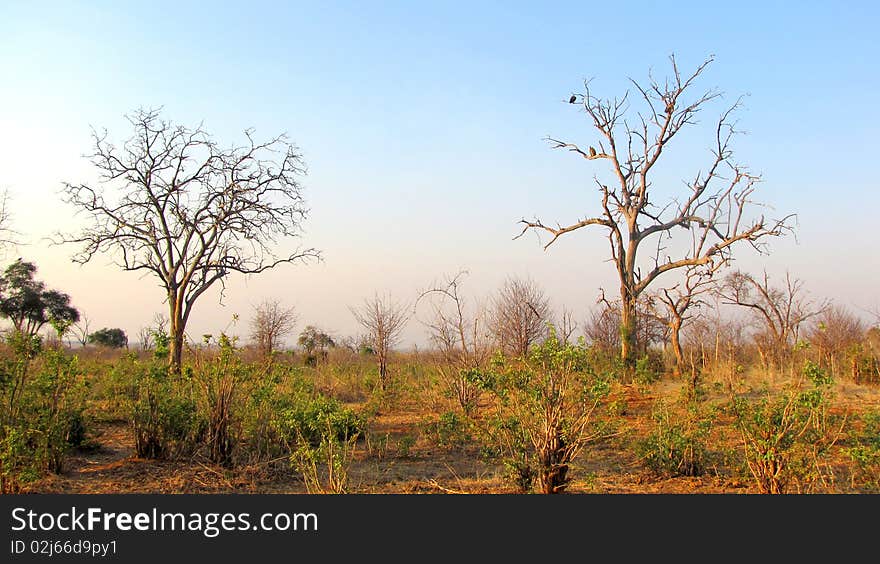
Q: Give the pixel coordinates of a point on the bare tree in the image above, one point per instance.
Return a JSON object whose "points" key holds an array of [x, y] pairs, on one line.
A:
{"points": [[679, 302], [146, 338], [836, 330], [567, 326], [8, 235], [463, 336], [384, 319], [779, 311], [82, 329], [189, 211], [714, 208], [147, 335], [602, 328], [520, 312], [270, 324], [603, 331]]}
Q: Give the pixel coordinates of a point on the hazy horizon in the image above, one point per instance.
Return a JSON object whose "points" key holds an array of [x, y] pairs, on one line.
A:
{"points": [[423, 127]]}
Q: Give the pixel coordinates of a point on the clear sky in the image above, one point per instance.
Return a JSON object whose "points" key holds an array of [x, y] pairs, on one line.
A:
{"points": [[422, 125]]}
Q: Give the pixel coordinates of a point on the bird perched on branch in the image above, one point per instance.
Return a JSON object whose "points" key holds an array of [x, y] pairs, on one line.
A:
{"points": [[572, 99], [592, 152]]}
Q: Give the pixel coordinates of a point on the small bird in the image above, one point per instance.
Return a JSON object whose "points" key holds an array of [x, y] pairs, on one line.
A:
{"points": [[572, 99], [592, 152]]}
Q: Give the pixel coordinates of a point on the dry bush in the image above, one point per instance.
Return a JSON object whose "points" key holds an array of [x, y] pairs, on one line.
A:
{"points": [[462, 335]]}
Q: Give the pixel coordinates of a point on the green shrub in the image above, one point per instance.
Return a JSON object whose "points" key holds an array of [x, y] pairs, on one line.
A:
{"points": [[677, 444], [315, 419], [44, 393], [784, 437], [450, 430], [865, 453], [546, 411], [160, 408], [649, 367]]}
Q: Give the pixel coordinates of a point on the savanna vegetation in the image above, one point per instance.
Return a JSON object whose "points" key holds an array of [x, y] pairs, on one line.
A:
{"points": [[696, 377]]}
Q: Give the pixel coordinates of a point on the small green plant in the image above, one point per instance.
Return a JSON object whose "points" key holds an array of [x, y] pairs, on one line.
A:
{"points": [[324, 466], [405, 445], [450, 430], [865, 453], [648, 368]]}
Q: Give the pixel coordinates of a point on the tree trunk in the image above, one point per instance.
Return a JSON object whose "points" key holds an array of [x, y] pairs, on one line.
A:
{"points": [[674, 336], [383, 371], [553, 473], [175, 341], [628, 335]]}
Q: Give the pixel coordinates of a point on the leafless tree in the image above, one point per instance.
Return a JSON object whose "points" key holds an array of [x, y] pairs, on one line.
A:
{"points": [[8, 235], [270, 324], [147, 335], [836, 329], [82, 329], [602, 329], [462, 334], [714, 209], [187, 210], [520, 312], [145, 338], [567, 326], [384, 320], [779, 311], [680, 302]]}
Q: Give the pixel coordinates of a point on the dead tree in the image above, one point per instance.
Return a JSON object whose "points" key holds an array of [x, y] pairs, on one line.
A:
{"points": [[82, 329], [715, 208], [779, 311], [173, 203], [384, 319], [270, 324], [679, 303], [520, 312], [9, 237], [567, 326], [836, 333], [462, 335]]}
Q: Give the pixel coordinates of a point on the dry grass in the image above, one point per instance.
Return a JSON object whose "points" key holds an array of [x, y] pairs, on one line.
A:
{"points": [[397, 455]]}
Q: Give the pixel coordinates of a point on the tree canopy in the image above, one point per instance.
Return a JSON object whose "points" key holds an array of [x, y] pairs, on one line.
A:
{"points": [[29, 305]]}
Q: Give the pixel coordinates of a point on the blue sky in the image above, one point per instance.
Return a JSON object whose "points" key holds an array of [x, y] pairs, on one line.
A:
{"points": [[422, 126]]}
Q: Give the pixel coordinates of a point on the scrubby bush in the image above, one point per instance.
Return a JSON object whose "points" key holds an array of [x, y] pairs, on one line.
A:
{"points": [[314, 420], [221, 383], [43, 393], [321, 435], [649, 367], [450, 430], [546, 411], [865, 453], [785, 437], [159, 407], [677, 443]]}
